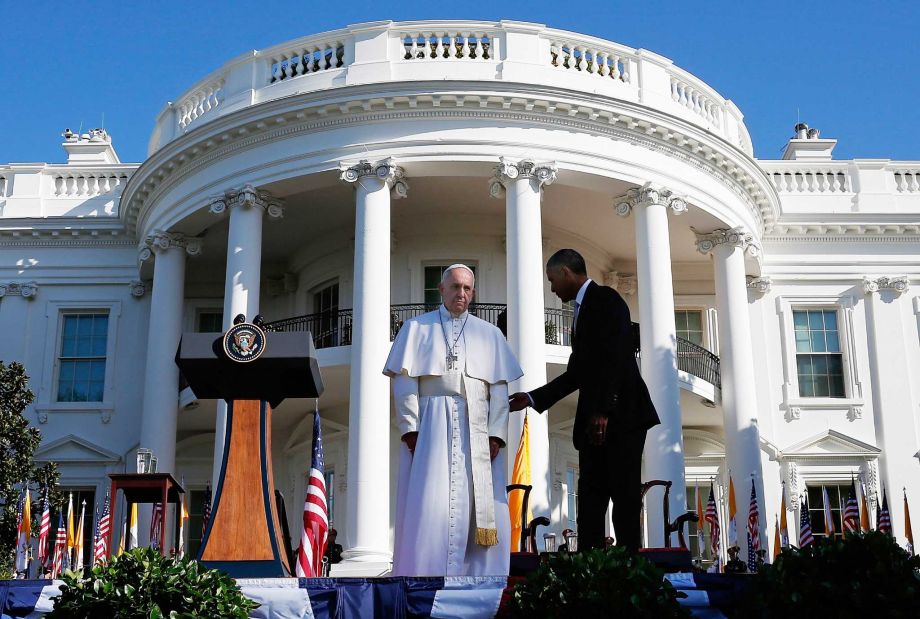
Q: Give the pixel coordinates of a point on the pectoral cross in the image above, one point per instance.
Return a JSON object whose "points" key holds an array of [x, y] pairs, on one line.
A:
{"points": [[451, 359]]}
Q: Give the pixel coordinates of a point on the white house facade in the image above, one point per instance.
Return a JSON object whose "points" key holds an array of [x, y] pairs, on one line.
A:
{"points": [[324, 183]]}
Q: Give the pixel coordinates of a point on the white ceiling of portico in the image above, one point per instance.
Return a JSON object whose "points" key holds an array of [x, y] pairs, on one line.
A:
{"points": [[577, 212]]}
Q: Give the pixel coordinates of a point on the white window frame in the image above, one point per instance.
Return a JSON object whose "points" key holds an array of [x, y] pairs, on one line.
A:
{"points": [[54, 316], [793, 403], [704, 320], [703, 304], [194, 307]]}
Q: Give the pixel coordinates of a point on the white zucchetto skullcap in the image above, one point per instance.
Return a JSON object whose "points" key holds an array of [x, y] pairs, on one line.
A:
{"points": [[457, 266]]}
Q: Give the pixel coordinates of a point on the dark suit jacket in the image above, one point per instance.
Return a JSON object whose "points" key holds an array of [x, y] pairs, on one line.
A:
{"points": [[603, 368]]}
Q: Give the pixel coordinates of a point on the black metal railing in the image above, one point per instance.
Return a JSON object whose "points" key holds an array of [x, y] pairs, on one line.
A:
{"points": [[334, 329], [331, 328], [696, 360]]}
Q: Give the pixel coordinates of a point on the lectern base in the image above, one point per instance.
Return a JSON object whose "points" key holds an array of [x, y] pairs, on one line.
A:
{"points": [[244, 537]]}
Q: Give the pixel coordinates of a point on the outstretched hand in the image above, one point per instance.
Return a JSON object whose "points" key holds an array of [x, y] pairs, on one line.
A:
{"points": [[518, 401]]}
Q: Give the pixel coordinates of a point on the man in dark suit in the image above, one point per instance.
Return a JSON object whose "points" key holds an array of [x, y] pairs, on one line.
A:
{"points": [[614, 407]]}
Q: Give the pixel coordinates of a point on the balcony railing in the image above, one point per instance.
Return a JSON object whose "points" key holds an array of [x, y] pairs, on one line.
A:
{"points": [[333, 328]]}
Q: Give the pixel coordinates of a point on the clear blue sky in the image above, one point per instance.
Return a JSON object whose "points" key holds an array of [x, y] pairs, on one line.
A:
{"points": [[849, 68]]}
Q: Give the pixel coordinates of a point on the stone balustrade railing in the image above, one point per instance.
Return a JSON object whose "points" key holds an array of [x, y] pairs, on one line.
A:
{"points": [[461, 50], [49, 190], [87, 183], [906, 180], [831, 177]]}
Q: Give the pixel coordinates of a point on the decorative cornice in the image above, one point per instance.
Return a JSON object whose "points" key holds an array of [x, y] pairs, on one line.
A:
{"points": [[27, 290], [385, 170], [138, 288], [248, 196], [161, 241], [531, 103], [647, 195], [761, 285], [899, 284], [509, 170], [735, 237]]}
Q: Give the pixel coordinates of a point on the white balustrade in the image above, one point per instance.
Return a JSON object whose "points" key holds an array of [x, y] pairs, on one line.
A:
{"points": [[448, 45], [199, 102], [2, 186], [312, 57], [86, 184], [590, 59], [696, 101], [905, 181], [810, 180]]}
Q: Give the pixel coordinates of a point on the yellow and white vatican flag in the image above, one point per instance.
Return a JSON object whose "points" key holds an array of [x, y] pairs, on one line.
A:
{"points": [[732, 512], [828, 515], [183, 521], [79, 540], [132, 528], [71, 537], [520, 474]]}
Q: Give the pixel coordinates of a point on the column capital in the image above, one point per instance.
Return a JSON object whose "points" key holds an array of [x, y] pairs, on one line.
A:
{"points": [[507, 170], [734, 237], [247, 196], [385, 170], [899, 284], [760, 284], [621, 282], [647, 195], [27, 290], [138, 288], [160, 241]]}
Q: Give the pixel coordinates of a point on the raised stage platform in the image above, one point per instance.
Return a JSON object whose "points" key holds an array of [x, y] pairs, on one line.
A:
{"points": [[385, 598]]}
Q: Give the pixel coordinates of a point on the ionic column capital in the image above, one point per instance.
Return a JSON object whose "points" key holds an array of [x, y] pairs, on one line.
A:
{"points": [[385, 170], [648, 195], [734, 237], [26, 290], [760, 284], [507, 170], [248, 196], [160, 241], [138, 288], [899, 284]]}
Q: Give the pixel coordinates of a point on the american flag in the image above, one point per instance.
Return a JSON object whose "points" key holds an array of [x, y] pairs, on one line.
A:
{"points": [[884, 516], [103, 528], [59, 562], [315, 518], [156, 523], [753, 525], [806, 538], [851, 512], [712, 517], [206, 511], [44, 530]]}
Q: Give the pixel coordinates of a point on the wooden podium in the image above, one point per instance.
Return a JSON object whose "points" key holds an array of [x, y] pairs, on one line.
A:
{"points": [[244, 535]]}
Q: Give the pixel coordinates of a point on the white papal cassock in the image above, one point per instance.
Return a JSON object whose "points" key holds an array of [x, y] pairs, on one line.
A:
{"points": [[441, 527]]}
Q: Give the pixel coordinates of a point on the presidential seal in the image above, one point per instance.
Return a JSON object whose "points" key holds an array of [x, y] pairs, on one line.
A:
{"points": [[244, 342]]}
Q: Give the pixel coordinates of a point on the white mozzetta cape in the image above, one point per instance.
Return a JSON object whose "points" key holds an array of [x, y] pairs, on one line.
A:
{"points": [[420, 350]]}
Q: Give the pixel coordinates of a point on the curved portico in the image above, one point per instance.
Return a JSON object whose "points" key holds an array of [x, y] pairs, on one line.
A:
{"points": [[569, 132]]}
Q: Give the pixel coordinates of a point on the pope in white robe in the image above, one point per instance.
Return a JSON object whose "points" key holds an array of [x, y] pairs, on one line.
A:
{"points": [[450, 374]]}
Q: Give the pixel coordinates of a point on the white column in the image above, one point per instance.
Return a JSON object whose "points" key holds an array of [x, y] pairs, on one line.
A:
{"points": [[521, 182], [664, 444], [367, 536], [247, 207], [890, 330], [160, 407], [739, 398]]}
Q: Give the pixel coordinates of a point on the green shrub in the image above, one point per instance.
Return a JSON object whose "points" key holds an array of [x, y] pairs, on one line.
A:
{"points": [[597, 583], [142, 584], [862, 576]]}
